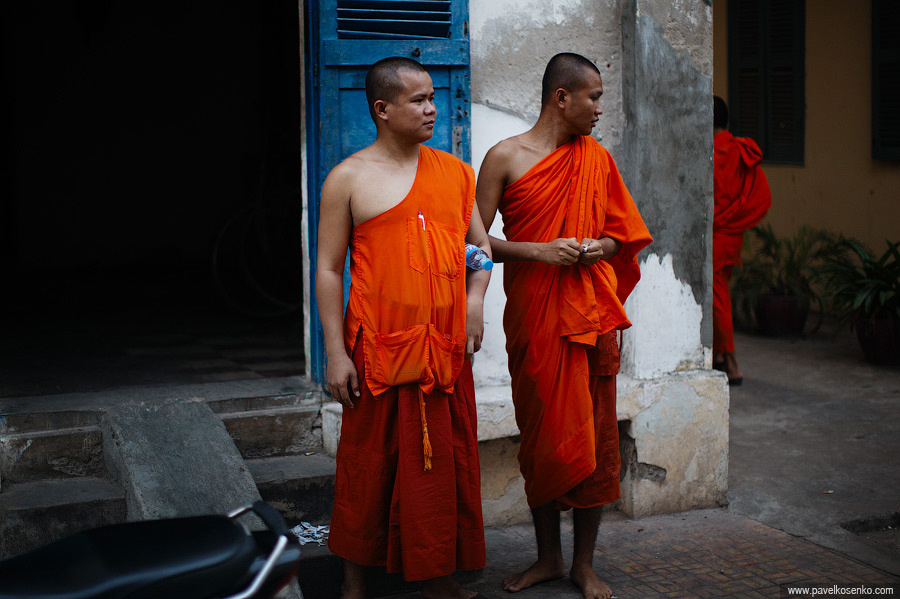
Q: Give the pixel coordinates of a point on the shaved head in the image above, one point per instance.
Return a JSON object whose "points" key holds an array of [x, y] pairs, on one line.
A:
{"points": [[720, 113], [383, 79], [568, 71]]}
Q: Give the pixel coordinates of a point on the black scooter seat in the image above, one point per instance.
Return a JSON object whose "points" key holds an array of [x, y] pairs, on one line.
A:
{"points": [[201, 556]]}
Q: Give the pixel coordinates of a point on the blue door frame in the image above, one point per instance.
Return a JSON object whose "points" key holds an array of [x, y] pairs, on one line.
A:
{"points": [[339, 50]]}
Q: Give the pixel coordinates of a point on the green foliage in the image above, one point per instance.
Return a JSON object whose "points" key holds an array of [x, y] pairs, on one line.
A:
{"points": [[789, 266], [862, 285]]}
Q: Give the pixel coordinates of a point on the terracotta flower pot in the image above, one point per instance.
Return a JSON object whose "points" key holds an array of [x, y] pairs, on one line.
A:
{"points": [[780, 315], [879, 339]]}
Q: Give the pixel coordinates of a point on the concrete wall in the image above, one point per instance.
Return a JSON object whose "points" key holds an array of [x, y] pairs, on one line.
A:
{"points": [[656, 61], [840, 187], [668, 168]]}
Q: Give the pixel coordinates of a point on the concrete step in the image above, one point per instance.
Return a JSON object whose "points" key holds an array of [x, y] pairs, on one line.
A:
{"points": [[301, 487], [36, 446], [38, 512], [272, 425], [43, 454]]}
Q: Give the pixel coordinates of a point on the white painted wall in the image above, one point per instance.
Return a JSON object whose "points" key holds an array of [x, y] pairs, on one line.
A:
{"points": [[511, 43], [490, 126], [665, 336]]}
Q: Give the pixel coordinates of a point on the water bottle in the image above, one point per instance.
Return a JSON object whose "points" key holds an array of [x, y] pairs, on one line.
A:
{"points": [[477, 258]]}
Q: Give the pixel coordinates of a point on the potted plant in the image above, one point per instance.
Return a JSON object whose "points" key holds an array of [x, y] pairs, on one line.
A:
{"points": [[777, 283], [865, 292]]}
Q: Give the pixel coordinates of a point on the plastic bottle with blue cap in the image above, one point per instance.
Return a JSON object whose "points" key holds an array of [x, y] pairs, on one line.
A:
{"points": [[477, 258]]}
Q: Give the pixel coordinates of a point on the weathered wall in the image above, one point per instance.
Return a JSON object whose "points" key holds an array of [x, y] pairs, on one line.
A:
{"points": [[840, 187], [651, 125], [656, 61], [667, 93], [513, 40]]}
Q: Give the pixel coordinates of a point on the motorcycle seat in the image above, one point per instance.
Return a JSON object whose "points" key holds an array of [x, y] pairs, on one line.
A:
{"points": [[201, 556]]}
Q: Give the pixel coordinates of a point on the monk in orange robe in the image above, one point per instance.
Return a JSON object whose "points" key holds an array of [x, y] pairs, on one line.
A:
{"points": [[572, 235], [407, 487], [742, 199]]}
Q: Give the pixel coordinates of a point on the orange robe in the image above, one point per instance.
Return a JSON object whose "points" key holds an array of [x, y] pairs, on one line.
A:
{"points": [[742, 199], [560, 323], [407, 487]]}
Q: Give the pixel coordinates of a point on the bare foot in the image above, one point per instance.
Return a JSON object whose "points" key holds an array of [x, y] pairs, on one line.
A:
{"points": [[538, 572], [592, 587], [445, 587], [354, 586], [352, 592], [731, 367]]}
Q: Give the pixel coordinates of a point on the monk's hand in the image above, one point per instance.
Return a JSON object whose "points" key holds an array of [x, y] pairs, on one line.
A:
{"points": [[560, 251], [342, 380], [474, 326], [595, 250]]}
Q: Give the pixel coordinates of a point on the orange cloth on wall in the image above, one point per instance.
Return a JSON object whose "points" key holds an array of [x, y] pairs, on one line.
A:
{"points": [[742, 199], [556, 318], [404, 499]]}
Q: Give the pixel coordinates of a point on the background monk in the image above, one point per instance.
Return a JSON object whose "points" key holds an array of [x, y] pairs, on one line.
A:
{"points": [[407, 488], [742, 197], [572, 233]]}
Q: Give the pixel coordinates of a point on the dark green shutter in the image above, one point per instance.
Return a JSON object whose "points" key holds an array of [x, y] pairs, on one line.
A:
{"points": [[766, 75], [886, 79]]}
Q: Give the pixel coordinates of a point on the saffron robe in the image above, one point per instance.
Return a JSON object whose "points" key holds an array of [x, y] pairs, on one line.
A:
{"points": [[405, 330], [560, 323], [742, 199]]}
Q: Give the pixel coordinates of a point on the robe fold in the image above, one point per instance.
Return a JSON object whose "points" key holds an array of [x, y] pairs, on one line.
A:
{"points": [[742, 199], [561, 323], [408, 484]]}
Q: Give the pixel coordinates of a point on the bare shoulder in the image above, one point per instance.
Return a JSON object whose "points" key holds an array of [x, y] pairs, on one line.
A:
{"points": [[348, 170], [505, 151], [344, 179]]}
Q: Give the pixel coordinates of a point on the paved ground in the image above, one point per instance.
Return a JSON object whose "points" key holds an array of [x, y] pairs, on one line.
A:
{"points": [[815, 443]]}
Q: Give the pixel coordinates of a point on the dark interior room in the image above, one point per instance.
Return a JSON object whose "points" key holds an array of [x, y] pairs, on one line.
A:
{"points": [[150, 213]]}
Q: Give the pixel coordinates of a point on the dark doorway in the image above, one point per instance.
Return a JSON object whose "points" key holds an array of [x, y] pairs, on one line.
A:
{"points": [[150, 226]]}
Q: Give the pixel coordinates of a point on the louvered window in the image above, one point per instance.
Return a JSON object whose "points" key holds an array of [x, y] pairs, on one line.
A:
{"points": [[885, 80], [766, 75], [393, 19]]}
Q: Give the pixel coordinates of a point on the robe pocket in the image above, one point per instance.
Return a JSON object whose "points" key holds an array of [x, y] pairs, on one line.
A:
{"points": [[402, 357], [446, 359], [604, 357], [417, 242], [448, 253]]}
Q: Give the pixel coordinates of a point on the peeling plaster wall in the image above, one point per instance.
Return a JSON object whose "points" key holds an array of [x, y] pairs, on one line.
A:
{"points": [[511, 42], [667, 93], [656, 60], [657, 343]]}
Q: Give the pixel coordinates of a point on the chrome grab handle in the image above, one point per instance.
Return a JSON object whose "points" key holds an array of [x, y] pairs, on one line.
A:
{"points": [[267, 568]]}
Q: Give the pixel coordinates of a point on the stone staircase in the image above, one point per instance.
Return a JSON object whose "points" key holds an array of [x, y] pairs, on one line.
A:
{"points": [[66, 470], [53, 481]]}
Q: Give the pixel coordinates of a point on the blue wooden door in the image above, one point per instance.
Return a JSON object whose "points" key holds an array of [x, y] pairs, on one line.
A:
{"points": [[344, 38]]}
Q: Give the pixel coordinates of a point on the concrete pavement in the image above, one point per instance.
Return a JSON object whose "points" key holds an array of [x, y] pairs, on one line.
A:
{"points": [[814, 448]]}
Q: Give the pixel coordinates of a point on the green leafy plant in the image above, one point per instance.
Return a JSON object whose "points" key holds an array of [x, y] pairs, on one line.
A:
{"points": [[861, 285], [785, 266]]}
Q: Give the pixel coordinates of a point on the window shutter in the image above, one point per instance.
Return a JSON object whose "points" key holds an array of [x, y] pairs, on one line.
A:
{"points": [[785, 131], [766, 75], [747, 84], [393, 19], [885, 80]]}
